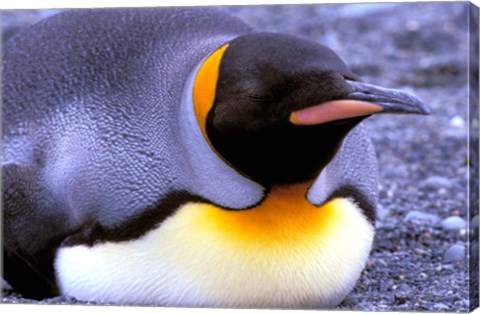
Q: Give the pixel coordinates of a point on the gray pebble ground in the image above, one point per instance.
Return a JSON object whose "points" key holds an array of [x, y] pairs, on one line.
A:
{"points": [[419, 261]]}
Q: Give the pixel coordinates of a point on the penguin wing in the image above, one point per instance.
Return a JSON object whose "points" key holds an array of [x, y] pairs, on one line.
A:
{"points": [[33, 224]]}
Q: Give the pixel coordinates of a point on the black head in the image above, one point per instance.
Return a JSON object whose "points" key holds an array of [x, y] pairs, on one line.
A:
{"points": [[258, 100]]}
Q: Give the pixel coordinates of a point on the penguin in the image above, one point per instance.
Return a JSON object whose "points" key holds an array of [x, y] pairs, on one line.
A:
{"points": [[179, 157]]}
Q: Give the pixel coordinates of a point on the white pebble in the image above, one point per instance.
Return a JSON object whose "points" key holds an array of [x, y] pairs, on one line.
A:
{"points": [[454, 223], [457, 122], [435, 182]]}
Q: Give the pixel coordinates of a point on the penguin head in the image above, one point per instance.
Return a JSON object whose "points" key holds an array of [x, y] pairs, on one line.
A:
{"points": [[277, 107]]}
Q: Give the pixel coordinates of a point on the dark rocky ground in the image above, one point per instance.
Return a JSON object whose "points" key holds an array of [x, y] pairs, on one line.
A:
{"points": [[419, 261]]}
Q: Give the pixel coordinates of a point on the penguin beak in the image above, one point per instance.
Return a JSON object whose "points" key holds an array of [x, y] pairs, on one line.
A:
{"points": [[364, 100]]}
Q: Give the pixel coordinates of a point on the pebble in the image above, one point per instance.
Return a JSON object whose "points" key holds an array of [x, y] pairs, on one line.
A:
{"points": [[404, 289], [457, 122], [382, 213], [454, 254], [454, 223], [441, 306], [435, 182], [418, 217], [423, 276], [422, 252]]}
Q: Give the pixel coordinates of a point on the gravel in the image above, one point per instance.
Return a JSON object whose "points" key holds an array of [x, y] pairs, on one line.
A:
{"points": [[419, 260]]}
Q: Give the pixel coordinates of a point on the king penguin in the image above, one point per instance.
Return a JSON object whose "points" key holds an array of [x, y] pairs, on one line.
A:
{"points": [[178, 157]]}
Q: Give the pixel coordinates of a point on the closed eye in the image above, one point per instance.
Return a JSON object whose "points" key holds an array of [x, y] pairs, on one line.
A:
{"points": [[256, 97]]}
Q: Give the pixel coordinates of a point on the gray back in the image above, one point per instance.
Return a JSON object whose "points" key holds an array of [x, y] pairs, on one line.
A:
{"points": [[92, 100]]}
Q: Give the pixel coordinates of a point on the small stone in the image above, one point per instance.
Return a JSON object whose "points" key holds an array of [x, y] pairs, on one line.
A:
{"points": [[454, 253], [382, 213], [436, 182], [423, 276], [405, 289], [457, 122], [441, 307], [421, 252], [418, 217], [400, 299], [454, 223], [381, 263]]}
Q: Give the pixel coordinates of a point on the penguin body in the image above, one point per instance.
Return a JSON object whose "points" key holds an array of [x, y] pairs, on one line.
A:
{"points": [[122, 176]]}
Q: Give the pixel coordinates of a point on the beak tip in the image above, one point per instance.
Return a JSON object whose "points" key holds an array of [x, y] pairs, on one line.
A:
{"points": [[424, 109]]}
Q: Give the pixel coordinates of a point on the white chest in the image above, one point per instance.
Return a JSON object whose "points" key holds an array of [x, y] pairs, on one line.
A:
{"points": [[206, 256]]}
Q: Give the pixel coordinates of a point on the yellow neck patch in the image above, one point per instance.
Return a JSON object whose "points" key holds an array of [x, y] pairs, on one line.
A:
{"points": [[285, 252], [204, 87], [285, 216]]}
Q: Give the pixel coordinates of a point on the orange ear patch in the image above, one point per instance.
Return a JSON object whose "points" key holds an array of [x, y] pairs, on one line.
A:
{"points": [[204, 87]]}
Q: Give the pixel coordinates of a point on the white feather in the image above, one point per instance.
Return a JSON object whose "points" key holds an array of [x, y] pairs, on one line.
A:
{"points": [[186, 262]]}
